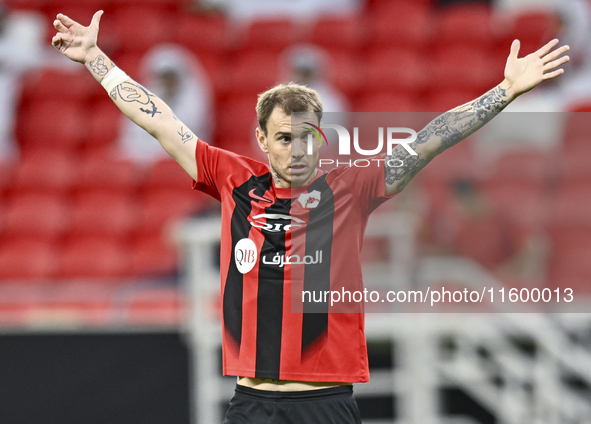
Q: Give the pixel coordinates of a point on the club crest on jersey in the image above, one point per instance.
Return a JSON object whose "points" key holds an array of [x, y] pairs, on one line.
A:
{"points": [[309, 200], [245, 255]]}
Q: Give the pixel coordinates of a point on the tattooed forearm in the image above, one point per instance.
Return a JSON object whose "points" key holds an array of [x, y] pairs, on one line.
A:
{"points": [[443, 132], [401, 166], [113, 94], [98, 66], [185, 134], [455, 125]]}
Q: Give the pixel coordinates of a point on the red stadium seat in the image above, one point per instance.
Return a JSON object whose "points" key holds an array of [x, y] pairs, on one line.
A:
{"points": [[153, 256], [38, 216], [217, 70], [442, 101], [269, 34], [140, 27], [464, 68], [201, 33], [52, 124], [525, 203], [582, 106], [573, 164], [104, 126], [94, 258], [7, 170], [397, 24], [533, 29], [161, 4], [167, 174], [253, 72], [27, 259], [453, 164], [235, 124], [345, 71], [26, 4], [465, 24], [162, 206], [344, 33], [396, 70], [45, 170], [569, 265], [572, 207], [522, 167], [577, 129], [388, 102], [52, 84], [104, 213], [102, 172]]}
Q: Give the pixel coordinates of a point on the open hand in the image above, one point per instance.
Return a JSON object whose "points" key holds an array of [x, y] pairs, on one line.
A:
{"points": [[523, 74], [74, 40]]}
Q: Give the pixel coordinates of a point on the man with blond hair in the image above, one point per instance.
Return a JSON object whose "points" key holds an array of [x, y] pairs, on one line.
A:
{"points": [[293, 366]]}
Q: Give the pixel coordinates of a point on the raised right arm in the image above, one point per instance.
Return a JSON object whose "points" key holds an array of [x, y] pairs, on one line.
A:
{"points": [[79, 44]]}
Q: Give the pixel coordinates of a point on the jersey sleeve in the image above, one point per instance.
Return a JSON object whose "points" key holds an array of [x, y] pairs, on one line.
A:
{"points": [[219, 169], [369, 182]]}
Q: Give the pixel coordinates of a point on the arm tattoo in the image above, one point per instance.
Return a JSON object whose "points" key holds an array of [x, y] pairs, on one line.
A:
{"points": [[455, 125], [443, 132], [113, 94], [98, 66], [185, 134], [132, 92], [402, 166], [153, 111]]}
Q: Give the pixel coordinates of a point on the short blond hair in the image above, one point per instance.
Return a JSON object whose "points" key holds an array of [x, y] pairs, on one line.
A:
{"points": [[290, 97]]}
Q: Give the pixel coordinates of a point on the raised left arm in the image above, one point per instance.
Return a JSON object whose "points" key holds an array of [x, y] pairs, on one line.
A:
{"points": [[448, 129]]}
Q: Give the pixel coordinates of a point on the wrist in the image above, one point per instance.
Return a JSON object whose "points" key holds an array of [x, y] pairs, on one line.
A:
{"points": [[509, 91], [91, 55]]}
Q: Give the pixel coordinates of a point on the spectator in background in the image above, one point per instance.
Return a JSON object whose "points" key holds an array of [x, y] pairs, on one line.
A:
{"points": [[173, 74], [307, 64], [21, 41]]}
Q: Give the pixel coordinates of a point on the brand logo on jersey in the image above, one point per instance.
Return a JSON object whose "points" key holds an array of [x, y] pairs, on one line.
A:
{"points": [[275, 227], [245, 255], [259, 198], [309, 200], [282, 260]]}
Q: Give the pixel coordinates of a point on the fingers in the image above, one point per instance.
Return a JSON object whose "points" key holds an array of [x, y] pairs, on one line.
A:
{"points": [[553, 74], [555, 54], [543, 51], [59, 26], [556, 63], [96, 18], [59, 39], [67, 22], [515, 46]]}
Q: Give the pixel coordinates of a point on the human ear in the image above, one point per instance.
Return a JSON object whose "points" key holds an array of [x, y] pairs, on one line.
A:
{"points": [[262, 140]]}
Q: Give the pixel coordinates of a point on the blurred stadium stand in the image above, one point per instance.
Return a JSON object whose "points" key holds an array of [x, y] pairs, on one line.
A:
{"points": [[92, 230]]}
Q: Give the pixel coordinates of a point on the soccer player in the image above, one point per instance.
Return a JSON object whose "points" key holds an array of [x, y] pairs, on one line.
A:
{"points": [[294, 367]]}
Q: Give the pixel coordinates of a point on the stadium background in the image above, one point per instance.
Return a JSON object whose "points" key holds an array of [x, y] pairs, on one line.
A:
{"points": [[90, 306]]}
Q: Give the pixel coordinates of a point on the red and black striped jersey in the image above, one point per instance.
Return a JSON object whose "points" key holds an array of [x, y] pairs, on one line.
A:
{"points": [[277, 243]]}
